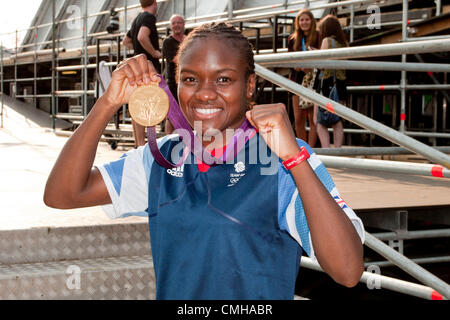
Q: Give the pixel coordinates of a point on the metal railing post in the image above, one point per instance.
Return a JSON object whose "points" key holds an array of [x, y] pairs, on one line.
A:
{"points": [[386, 166], [384, 282], [352, 19], [275, 48], [15, 63], [407, 265], [403, 73], [355, 117], [365, 151], [125, 52], [377, 50], [438, 7], [275, 34], [230, 9], [86, 59], [53, 65], [35, 69], [1, 85], [97, 68], [444, 93], [367, 65], [258, 38]]}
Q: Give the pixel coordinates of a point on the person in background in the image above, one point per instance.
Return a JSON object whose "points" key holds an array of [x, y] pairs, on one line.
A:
{"points": [[305, 37], [169, 51], [143, 38], [332, 37]]}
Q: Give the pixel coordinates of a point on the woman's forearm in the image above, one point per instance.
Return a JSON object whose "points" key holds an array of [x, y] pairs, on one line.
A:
{"points": [[337, 245], [70, 182]]}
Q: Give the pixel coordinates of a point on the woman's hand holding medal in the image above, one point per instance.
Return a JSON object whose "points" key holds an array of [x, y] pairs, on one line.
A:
{"points": [[126, 78]]}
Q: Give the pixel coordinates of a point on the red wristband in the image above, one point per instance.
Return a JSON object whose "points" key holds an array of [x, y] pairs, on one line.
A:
{"points": [[297, 159]]}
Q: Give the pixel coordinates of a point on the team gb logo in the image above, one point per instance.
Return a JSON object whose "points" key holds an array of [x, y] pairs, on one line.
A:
{"points": [[239, 167]]}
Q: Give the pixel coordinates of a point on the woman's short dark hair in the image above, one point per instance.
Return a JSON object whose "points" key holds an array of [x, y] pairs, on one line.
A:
{"points": [[221, 30]]}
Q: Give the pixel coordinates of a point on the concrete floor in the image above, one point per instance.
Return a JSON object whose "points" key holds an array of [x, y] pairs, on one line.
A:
{"points": [[28, 153]]}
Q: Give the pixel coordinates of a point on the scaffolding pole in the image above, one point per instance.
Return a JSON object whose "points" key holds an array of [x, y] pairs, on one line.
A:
{"points": [[85, 60], [399, 87], [407, 265], [426, 260], [409, 133], [436, 82], [417, 234], [363, 65], [53, 104], [365, 151], [1, 84], [379, 50], [385, 24], [403, 79], [370, 278], [386, 166], [352, 25], [355, 117]]}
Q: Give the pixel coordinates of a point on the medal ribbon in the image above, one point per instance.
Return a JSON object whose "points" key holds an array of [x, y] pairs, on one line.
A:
{"points": [[178, 121]]}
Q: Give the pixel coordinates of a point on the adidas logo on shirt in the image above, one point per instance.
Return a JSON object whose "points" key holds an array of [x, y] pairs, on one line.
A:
{"points": [[176, 172]]}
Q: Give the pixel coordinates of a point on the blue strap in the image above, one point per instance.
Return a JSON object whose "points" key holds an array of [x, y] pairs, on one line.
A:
{"points": [[303, 44]]}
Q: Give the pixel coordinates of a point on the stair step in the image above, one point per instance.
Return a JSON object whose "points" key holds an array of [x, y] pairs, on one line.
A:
{"points": [[74, 243], [130, 277]]}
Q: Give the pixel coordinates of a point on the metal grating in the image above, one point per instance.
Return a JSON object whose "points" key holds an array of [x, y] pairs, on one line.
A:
{"points": [[104, 278]]}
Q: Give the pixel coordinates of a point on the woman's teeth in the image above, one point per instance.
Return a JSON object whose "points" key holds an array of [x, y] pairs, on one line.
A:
{"points": [[207, 111]]}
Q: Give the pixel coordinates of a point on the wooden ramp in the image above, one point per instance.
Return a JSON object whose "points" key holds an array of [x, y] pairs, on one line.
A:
{"points": [[369, 190]]}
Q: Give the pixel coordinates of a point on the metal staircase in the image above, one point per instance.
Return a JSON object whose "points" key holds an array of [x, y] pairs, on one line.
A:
{"points": [[86, 262]]}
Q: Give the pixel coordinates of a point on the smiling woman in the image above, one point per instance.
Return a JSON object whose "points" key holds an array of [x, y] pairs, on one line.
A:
{"points": [[305, 37], [226, 231]]}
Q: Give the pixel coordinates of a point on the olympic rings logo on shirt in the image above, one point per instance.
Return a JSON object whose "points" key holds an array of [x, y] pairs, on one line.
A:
{"points": [[234, 180], [177, 172]]}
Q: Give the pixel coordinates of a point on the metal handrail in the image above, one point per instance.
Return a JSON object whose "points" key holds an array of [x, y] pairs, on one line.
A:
{"points": [[386, 166], [399, 87], [385, 282], [355, 117], [364, 65], [407, 265], [379, 50], [359, 151], [427, 260], [2, 108], [417, 234]]}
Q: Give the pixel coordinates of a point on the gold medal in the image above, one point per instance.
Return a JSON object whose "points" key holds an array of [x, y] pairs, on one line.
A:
{"points": [[149, 105]]}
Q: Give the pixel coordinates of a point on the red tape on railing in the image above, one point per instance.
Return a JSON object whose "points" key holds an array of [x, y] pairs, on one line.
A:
{"points": [[437, 171]]}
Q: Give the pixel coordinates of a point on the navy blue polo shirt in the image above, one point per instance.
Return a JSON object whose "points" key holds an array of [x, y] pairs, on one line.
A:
{"points": [[233, 231]]}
